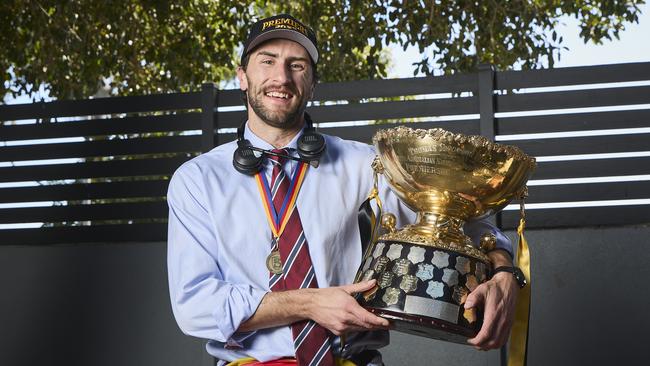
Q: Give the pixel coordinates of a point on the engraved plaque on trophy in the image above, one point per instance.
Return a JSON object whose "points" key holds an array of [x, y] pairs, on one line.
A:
{"points": [[425, 270]]}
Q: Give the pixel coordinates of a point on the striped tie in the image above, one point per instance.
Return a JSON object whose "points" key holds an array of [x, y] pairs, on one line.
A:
{"points": [[311, 341]]}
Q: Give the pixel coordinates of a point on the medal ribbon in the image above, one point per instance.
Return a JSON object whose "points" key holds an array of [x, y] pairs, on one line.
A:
{"points": [[278, 220]]}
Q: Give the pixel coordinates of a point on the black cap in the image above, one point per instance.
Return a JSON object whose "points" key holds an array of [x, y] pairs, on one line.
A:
{"points": [[281, 26]]}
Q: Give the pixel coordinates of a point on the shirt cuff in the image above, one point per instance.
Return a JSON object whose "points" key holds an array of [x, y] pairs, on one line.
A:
{"points": [[243, 303], [503, 242]]}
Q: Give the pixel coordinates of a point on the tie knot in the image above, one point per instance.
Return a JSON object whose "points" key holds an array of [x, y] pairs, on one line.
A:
{"points": [[279, 159]]}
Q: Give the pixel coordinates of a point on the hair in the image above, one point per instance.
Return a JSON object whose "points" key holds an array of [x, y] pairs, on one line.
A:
{"points": [[244, 64]]}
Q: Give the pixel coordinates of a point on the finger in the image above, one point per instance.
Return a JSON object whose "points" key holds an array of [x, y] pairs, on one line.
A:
{"points": [[503, 331], [476, 297], [359, 287], [367, 319], [490, 322], [373, 320]]}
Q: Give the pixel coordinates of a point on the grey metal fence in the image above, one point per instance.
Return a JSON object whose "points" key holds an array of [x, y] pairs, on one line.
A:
{"points": [[97, 170]]}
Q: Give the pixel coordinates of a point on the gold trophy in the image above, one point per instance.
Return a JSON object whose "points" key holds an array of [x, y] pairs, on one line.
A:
{"points": [[425, 271]]}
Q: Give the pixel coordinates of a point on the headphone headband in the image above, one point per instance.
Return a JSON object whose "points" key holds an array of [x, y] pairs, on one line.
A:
{"points": [[311, 146]]}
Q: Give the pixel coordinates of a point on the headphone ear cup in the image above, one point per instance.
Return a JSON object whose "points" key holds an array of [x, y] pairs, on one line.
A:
{"points": [[245, 161], [311, 145]]}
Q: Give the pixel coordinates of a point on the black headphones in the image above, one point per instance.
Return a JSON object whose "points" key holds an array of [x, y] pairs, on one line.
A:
{"points": [[248, 159]]}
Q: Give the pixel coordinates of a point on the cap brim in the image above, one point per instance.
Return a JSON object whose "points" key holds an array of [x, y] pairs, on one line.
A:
{"points": [[286, 34]]}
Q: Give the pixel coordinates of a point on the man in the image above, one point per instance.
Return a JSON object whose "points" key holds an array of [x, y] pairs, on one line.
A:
{"points": [[223, 240]]}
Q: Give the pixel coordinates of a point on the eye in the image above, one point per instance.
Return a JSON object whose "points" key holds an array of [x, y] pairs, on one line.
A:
{"points": [[297, 66], [267, 61]]}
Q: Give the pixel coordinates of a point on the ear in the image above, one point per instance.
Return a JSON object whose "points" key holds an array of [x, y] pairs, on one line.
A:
{"points": [[243, 80]]}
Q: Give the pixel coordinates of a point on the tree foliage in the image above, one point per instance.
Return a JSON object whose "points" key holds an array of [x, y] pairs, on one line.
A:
{"points": [[136, 47]]}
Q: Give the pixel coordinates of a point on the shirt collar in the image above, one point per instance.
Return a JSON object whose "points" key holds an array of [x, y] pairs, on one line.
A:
{"points": [[262, 144]]}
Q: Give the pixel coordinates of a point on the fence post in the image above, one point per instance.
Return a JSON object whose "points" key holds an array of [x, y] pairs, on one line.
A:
{"points": [[488, 129], [486, 100], [209, 116]]}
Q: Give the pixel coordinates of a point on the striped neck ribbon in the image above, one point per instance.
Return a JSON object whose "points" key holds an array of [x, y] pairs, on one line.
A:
{"points": [[278, 219]]}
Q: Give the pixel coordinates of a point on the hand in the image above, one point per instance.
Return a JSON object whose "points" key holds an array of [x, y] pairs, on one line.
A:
{"points": [[335, 309], [498, 297]]}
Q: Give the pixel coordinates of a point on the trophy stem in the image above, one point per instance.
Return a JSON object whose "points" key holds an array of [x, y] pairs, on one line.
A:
{"points": [[440, 227]]}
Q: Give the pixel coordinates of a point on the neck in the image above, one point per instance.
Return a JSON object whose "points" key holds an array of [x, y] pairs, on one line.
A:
{"points": [[276, 136]]}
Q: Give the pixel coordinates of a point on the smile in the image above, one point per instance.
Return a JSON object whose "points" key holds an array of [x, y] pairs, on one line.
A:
{"points": [[276, 94]]}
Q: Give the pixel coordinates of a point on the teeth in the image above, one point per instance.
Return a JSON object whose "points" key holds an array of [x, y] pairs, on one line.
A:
{"points": [[278, 95]]}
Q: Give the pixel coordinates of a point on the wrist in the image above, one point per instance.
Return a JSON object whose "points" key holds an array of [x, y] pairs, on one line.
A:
{"points": [[499, 257], [306, 303], [514, 273]]}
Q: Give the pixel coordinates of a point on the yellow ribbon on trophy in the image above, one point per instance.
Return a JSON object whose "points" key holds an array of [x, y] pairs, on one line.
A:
{"points": [[518, 342]]}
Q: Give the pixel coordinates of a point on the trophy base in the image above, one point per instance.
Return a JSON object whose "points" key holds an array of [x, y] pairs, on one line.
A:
{"points": [[422, 289], [425, 326]]}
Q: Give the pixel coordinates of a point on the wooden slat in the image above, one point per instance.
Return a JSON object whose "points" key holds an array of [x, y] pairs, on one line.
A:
{"points": [[589, 192], [99, 127], [98, 106], [573, 76], [109, 211], [592, 168], [85, 191], [360, 89], [578, 217], [84, 234], [229, 98], [574, 122], [324, 115], [584, 145], [153, 145], [365, 133], [231, 119], [390, 110], [113, 168], [227, 137], [573, 99]]}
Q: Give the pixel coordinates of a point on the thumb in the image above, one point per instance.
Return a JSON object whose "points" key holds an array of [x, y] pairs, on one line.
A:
{"points": [[475, 297], [359, 287]]}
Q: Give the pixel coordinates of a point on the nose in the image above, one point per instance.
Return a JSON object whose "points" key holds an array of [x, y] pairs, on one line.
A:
{"points": [[281, 73]]}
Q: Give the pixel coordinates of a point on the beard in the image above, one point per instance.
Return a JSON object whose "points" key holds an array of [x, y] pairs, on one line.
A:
{"points": [[279, 119]]}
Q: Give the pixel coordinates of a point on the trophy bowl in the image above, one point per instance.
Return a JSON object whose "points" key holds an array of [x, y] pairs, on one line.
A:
{"points": [[425, 270]]}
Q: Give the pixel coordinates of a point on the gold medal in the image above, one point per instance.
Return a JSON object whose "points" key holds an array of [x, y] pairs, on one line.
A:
{"points": [[274, 262]]}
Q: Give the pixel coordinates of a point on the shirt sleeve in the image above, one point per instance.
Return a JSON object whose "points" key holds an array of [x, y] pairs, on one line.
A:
{"points": [[203, 304]]}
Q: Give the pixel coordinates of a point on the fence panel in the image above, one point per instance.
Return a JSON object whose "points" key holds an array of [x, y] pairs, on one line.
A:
{"points": [[70, 167], [589, 128], [97, 170]]}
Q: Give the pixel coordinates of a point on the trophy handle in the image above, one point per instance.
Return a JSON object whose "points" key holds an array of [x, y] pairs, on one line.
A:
{"points": [[368, 219], [377, 169]]}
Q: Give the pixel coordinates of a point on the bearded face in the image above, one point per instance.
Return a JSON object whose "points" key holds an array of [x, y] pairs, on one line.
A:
{"points": [[278, 82], [273, 114]]}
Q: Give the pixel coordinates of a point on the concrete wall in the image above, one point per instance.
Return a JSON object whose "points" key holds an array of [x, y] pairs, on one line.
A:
{"points": [[97, 305], [91, 305]]}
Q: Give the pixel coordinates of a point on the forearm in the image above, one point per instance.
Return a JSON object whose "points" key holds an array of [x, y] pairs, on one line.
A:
{"points": [[332, 307], [279, 308], [499, 257]]}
